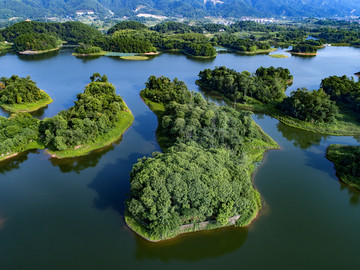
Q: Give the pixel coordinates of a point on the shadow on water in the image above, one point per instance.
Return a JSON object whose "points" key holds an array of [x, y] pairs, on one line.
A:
{"points": [[300, 138], [112, 184], [316, 160], [144, 125], [40, 112], [78, 164], [86, 59], [190, 246], [38, 57]]}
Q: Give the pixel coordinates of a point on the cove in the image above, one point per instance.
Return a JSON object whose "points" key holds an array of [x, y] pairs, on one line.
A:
{"points": [[68, 214]]}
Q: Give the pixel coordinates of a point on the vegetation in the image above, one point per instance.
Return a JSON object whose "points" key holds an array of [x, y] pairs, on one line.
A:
{"points": [[264, 92], [278, 55], [205, 171], [87, 50], [133, 25], [83, 127], [21, 95], [304, 49], [346, 160], [310, 106], [18, 133], [35, 42]]}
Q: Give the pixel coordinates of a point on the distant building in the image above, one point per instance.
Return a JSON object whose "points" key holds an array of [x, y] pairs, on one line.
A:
{"points": [[84, 12]]}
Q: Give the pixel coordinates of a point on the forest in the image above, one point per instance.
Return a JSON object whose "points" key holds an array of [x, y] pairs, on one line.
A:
{"points": [[204, 172], [96, 113], [21, 94], [346, 159]]}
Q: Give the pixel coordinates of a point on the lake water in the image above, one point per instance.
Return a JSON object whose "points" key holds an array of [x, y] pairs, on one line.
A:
{"points": [[68, 214]]}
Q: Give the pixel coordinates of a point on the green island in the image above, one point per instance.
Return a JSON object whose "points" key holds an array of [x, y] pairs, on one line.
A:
{"points": [[326, 111], [202, 180], [98, 118], [21, 95], [346, 160]]}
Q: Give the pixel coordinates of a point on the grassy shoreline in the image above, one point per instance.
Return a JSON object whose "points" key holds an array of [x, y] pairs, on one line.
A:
{"points": [[31, 146], [122, 125], [256, 151], [28, 52], [28, 107]]}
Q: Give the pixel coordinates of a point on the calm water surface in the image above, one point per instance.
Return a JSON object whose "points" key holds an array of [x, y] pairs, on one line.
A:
{"points": [[68, 214]]}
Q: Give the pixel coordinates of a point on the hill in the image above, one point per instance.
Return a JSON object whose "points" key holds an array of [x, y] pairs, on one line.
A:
{"points": [[187, 8]]}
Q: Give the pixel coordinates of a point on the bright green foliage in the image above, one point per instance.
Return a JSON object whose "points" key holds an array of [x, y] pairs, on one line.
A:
{"points": [[36, 42], [268, 84], [17, 132], [343, 90], [16, 90], [310, 106], [133, 25], [346, 160], [95, 113]]}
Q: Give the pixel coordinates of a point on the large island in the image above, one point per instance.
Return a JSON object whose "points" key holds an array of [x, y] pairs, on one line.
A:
{"points": [[202, 180]]}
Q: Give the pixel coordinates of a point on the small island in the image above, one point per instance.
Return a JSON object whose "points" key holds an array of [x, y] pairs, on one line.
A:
{"points": [[21, 95], [36, 43], [331, 110], [202, 180], [98, 118], [304, 49], [346, 159]]}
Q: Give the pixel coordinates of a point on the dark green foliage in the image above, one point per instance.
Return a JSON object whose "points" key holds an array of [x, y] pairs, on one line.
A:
{"points": [[71, 32], [95, 112], [314, 106], [343, 90], [17, 132], [189, 184], [133, 25], [35, 42], [204, 173], [163, 90], [240, 44], [87, 49], [16, 90], [268, 84], [200, 49], [346, 160], [304, 48], [176, 28], [130, 41]]}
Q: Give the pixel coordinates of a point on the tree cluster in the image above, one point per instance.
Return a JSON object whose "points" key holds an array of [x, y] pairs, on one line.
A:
{"points": [[266, 85], [16, 90], [310, 106], [95, 112]]}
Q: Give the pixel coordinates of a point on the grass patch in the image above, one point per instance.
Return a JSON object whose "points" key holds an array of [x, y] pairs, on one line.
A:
{"points": [[278, 56], [134, 57], [39, 52], [345, 159], [102, 53], [126, 119], [258, 51], [28, 107]]}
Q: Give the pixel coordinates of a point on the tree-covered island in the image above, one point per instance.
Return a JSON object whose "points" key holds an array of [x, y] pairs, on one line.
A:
{"points": [[202, 180], [346, 159], [21, 95], [98, 118], [330, 110]]}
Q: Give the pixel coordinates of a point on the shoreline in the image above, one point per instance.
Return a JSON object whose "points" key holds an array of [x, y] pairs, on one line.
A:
{"points": [[30, 52]]}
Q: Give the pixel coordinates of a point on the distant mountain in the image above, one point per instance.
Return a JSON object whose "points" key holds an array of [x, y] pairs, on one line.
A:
{"points": [[186, 8]]}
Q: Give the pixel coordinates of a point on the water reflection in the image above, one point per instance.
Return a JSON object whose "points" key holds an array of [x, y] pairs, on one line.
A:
{"points": [[354, 195], [112, 184], [78, 164], [2, 222], [193, 246], [300, 138], [38, 57], [14, 162]]}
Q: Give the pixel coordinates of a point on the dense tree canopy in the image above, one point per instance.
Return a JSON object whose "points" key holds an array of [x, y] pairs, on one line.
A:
{"points": [[267, 84], [36, 42], [133, 25], [16, 90], [95, 113], [311, 106]]}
